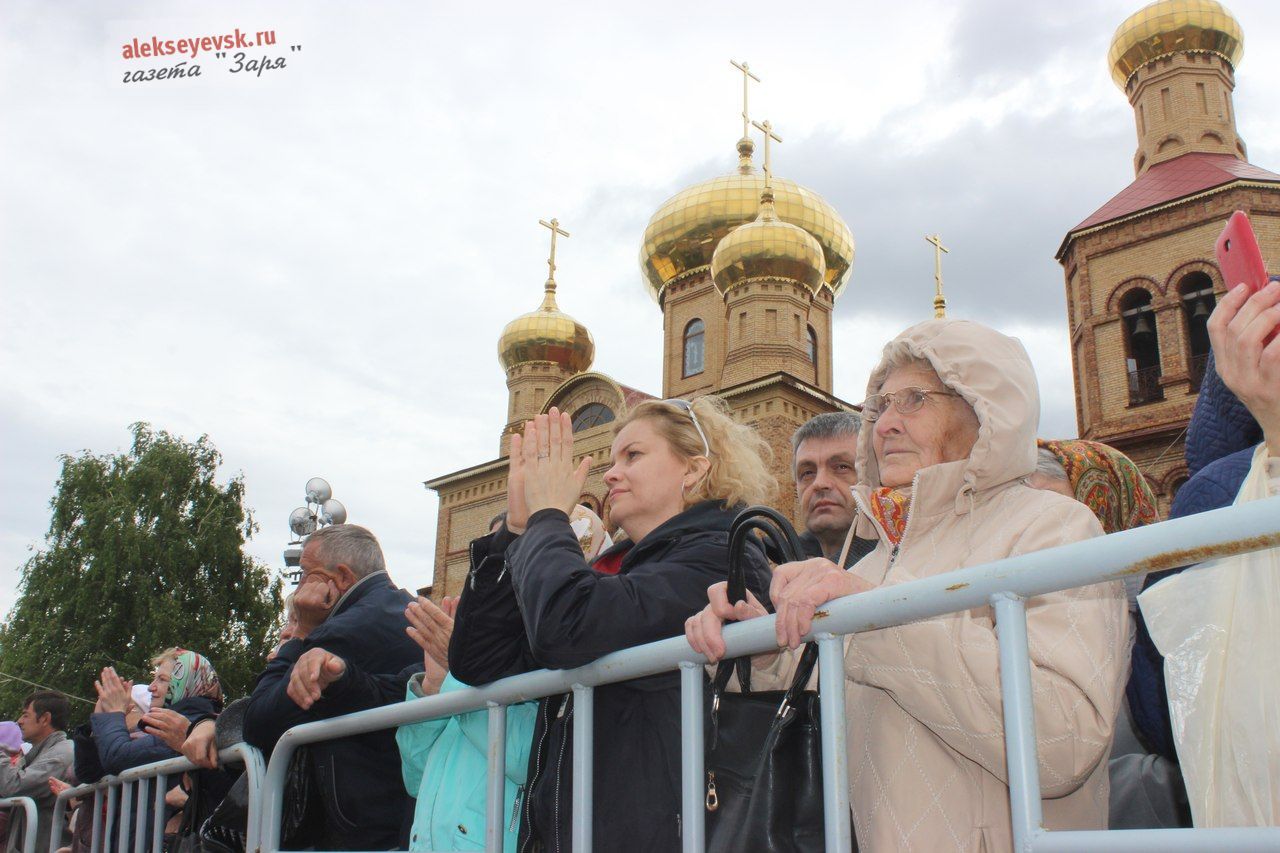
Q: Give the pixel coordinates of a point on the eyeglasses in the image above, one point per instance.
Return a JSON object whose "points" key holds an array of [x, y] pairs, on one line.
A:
{"points": [[905, 400], [687, 407]]}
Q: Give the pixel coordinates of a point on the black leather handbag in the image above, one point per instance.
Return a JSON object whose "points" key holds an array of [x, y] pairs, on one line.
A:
{"points": [[764, 749]]}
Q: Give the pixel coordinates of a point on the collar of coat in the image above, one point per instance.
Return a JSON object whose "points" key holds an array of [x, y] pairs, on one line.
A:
{"points": [[701, 518]]}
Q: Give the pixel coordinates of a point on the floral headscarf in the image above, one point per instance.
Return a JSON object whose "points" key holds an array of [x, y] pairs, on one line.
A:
{"points": [[1107, 482], [193, 675]]}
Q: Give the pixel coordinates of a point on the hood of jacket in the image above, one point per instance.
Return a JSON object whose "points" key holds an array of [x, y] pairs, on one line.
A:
{"points": [[993, 374]]}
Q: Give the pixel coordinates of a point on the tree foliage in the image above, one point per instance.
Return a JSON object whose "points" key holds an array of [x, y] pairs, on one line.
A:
{"points": [[145, 550]]}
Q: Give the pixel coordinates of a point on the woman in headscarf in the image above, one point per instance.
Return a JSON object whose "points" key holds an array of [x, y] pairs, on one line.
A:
{"points": [[942, 485], [1103, 479]]}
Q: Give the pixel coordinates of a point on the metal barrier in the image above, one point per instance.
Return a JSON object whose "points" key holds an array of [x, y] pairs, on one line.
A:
{"points": [[1004, 585], [150, 782], [29, 827]]}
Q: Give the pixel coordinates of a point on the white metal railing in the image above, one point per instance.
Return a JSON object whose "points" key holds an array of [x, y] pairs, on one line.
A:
{"points": [[1003, 585], [124, 811], [29, 825]]}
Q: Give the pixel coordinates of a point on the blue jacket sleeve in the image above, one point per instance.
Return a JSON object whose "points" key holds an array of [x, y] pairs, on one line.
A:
{"points": [[416, 740], [118, 751], [574, 615]]}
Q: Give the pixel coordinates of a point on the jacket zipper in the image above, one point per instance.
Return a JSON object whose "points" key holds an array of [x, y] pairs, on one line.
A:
{"points": [[537, 770], [560, 769], [515, 809]]}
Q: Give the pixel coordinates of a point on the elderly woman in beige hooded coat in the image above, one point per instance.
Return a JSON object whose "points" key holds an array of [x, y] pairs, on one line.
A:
{"points": [[942, 487]]}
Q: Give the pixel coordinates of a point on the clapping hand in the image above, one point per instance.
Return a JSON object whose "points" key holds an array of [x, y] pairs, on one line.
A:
{"points": [[551, 480], [113, 692], [431, 627]]}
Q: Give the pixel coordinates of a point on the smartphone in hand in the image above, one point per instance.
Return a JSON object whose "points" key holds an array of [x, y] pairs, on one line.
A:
{"points": [[1239, 257]]}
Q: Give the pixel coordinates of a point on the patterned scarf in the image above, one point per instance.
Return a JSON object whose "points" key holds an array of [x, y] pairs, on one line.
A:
{"points": [[889, 507], [193, 675], [1107, 482]]}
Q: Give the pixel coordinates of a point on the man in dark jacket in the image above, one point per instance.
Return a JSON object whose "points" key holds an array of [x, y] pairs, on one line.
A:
{"points": [[822, 452], [351, 610], [547, 608]]}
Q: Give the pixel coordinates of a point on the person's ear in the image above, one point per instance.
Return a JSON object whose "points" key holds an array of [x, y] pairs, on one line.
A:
{"points": [[346, 577], [699, 466]]}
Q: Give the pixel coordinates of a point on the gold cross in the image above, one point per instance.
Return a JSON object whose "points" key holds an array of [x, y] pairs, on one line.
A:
{"points": [[767, 130], [554, 225], [939, 301], [746, 76]]}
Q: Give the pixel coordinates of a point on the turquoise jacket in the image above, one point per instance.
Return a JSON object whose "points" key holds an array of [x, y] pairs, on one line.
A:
{"points": [[445, 763]]}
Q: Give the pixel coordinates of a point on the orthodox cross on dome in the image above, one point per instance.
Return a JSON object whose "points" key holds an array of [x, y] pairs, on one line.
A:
{"points": [[554, 225], [747, 76], [939, 301], [767, 130]]}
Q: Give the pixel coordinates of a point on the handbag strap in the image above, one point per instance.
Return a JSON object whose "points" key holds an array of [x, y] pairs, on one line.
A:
{"points": [[779, 534]]}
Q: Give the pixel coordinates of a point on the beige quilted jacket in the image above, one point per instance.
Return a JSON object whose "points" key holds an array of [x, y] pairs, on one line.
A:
{"points": [[925, 727]]}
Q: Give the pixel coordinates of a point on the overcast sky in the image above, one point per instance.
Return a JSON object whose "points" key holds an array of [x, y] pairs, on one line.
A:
{"points": [[313, 265]]}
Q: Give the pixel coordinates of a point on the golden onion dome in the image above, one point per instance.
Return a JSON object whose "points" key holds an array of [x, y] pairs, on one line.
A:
{"points": [[547, 334], [684, 233], [768, 248], [1174, 26]]}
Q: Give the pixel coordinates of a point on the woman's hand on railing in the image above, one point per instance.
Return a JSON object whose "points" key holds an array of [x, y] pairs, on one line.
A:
{"points": [[798, 589], [169, 726], [200, 747], [312, 673], [705, 630]]}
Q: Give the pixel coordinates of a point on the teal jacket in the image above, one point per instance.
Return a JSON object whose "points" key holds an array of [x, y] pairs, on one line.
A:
{"points": [[445, 763]]}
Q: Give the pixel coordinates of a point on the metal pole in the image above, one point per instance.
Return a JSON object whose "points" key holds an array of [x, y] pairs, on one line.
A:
{"points": [[157, 813], [1019, 719], [693, 815], [113, 800], [30, 827], [59, 813], [1258, 838], [95, 822], [140, 818], [835, 756], [584, 729], [255, 772], [496, 801], [126, 806]]}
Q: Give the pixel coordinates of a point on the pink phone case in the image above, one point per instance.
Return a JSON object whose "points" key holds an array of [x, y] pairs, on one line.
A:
{"points": [[1239, 257]]}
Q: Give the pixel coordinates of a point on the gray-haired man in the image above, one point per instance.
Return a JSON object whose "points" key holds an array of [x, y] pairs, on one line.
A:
{"points": [[823, 452]]}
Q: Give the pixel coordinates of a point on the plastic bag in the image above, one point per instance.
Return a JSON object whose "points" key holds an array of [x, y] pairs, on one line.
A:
{"points": [[1218, 627]]}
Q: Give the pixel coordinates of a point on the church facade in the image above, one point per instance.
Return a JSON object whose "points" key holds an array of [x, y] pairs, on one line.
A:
{"points": [[746, 268], [1141, 275]]}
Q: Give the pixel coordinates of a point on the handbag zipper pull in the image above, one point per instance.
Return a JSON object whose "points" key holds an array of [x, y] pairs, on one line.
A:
{"points": [[713, 799]]}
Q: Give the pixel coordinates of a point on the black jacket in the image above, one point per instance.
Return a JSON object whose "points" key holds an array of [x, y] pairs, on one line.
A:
{"points": [[358, 777], [858, 549], [543, 606]]}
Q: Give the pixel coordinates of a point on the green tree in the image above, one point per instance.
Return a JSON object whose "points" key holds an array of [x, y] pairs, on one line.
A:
{"points": [[145, 550]]}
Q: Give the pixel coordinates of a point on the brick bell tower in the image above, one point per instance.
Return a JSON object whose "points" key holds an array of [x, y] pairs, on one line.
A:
{"points": [[1140, 272]]}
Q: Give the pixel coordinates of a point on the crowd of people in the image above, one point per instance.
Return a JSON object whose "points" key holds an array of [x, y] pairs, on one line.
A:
{"points": [[940, 470]]}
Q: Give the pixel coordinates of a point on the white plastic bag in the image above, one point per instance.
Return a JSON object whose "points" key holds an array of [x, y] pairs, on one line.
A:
{"points": [[1218, 627]]}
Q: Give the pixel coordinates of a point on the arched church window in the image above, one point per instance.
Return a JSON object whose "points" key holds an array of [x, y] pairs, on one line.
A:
{"points": [[695, 349], [813, 346], [1142, 348], [1196, 290], [591, 415]]}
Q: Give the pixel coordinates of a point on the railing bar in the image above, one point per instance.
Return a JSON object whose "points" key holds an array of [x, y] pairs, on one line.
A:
{"points": [[692, 794], [157, 819], [96, 819], [126, 805], [59, 814], [1019, 719], [140, 818], [835, 757], [584, 728], [30, 824], [255, 772], [495, 803], [113, 802], [1262, 838]]}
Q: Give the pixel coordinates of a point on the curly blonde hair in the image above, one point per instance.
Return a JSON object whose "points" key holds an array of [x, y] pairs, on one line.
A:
{"points": [[739, 472]]}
